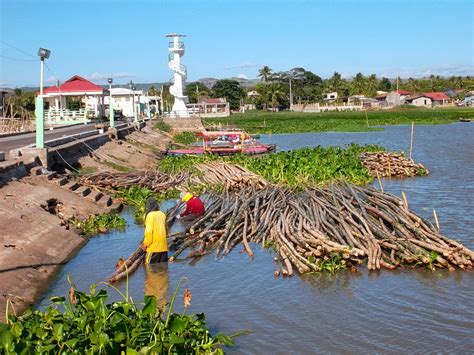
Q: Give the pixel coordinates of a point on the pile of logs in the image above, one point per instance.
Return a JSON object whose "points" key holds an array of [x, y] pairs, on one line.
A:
{"points": [[359, 225], [391, 164], [153, 180], [233, 177], [340, 224]]}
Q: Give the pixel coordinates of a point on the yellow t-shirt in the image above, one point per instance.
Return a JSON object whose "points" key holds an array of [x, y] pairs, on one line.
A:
{"points": [[155, 232]]}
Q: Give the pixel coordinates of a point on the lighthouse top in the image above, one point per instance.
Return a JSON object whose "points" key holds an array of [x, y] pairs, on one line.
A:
{"points": [[174, 35]]}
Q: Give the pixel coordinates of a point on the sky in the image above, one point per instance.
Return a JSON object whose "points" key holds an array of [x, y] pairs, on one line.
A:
{"points": [[125, 39]]}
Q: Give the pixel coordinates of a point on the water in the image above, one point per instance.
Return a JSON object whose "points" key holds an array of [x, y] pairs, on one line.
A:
{"points": [[385, 311]]}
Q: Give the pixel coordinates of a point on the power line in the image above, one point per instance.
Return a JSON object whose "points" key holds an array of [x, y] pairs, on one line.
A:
{"points": [[18, 49], [18, 59]]}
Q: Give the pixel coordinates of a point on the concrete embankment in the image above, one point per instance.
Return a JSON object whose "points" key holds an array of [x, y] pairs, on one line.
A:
{"points": [[35, 203]]}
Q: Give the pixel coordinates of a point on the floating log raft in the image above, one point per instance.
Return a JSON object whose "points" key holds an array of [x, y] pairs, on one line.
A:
{"points": [[322, 228], [385, 164], [153, 180]]}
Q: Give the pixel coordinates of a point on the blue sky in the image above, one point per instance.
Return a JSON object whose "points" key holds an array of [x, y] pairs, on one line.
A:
{"points": [[225, 38]]}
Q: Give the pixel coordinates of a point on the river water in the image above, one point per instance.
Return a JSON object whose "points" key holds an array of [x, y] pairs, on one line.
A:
{"points": [[414, 311]]}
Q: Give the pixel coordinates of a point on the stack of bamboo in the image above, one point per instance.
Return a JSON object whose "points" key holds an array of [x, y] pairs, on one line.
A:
{"points": [[233, 177], [308, 229], [153, 180], [391, 164]]}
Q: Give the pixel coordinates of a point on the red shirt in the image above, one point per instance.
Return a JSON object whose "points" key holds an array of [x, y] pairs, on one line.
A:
{"points": [[194, 206]]}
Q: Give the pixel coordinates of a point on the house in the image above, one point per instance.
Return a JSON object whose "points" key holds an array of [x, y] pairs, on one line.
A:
{"points": [[330, 96], [210, 107], [123, 100], [397, 97], [253, 94], [77, 99], [468, 99], [428, 99]]}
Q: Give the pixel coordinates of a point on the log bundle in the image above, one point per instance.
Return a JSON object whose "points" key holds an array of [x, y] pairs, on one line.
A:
{"points": [[386, 164], [357, 225], [153, 180], [232, 177]]}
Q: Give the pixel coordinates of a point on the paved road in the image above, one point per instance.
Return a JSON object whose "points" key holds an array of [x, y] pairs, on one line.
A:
{"points": [[21, 140]]}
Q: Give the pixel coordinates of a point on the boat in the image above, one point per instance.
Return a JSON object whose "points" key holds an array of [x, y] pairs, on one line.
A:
{"points": [[465, 120], [224, 143]]}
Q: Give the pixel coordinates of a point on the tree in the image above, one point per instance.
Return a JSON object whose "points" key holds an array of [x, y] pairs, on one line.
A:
{"points": [[385, 84], [231, 90], [265, 73], [337, 84], [358, 84], [372, 84], [196, 90]]}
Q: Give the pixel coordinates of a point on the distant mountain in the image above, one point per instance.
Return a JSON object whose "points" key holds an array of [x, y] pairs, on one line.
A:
{"points": [[209, 82]]}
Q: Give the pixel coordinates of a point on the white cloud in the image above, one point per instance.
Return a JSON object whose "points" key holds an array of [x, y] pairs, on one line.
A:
{"points": [[52, 79], [105, 76], [242, 76], [244, 65], [442, 70]]}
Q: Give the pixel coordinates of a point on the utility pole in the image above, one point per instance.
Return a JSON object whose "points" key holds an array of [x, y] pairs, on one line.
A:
{"points": [[111, 104], [291, 98]]}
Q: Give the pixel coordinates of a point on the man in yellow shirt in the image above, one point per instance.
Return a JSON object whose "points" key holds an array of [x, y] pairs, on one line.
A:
{"points": [[156, 231]]}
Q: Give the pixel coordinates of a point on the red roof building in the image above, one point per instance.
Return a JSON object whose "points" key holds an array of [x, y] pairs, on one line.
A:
{"points": [[76, 85], [436, 96]]}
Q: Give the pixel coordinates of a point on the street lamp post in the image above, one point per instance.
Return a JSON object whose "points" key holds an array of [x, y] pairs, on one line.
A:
{"points": [[39, 107], [111, 104], [133, 88]]}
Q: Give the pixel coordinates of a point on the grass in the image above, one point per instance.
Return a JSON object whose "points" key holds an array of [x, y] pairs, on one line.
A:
{"points": [[298, 168], [297, 122], [162, 126], [117, 167]]}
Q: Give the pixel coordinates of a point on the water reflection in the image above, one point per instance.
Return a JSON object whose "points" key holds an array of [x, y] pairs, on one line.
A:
{"points": [[157, 282]]}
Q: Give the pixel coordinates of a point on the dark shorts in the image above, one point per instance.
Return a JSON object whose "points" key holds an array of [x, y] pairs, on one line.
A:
{"points": [[161, 257]]}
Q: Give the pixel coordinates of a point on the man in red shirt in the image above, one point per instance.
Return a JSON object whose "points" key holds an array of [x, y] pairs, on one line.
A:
{"points": [[194, 207]]}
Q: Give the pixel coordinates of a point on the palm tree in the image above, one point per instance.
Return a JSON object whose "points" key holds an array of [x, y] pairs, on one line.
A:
{"points": [[275, 93], [265, 73], [372, 84]]}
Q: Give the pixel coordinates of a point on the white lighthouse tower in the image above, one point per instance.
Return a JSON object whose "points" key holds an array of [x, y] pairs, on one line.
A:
{"points": [[176, 49]]}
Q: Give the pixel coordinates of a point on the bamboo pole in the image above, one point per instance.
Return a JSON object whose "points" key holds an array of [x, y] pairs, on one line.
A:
{"points": [[367, 119], [380, 182], [436, 219], [411, 139], [405, 199]]}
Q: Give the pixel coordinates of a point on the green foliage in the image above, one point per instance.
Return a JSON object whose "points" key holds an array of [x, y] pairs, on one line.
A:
{"points": [[97, 223], [86, 324], [162, 126], [136, 197], [296, 122], [298, 168], [231, 90], [196, 90], [186, 137], [332, 264]]}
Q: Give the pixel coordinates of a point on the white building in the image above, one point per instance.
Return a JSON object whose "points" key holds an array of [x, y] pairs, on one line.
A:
{"points": [[123, 100], [330, 96]]}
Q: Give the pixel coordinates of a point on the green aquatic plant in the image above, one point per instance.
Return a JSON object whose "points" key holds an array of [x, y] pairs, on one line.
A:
{"points": [[186, 137], [136, 197], [332, 264], [297, 122], [85, 323], [297, 168], [98, 223]]}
